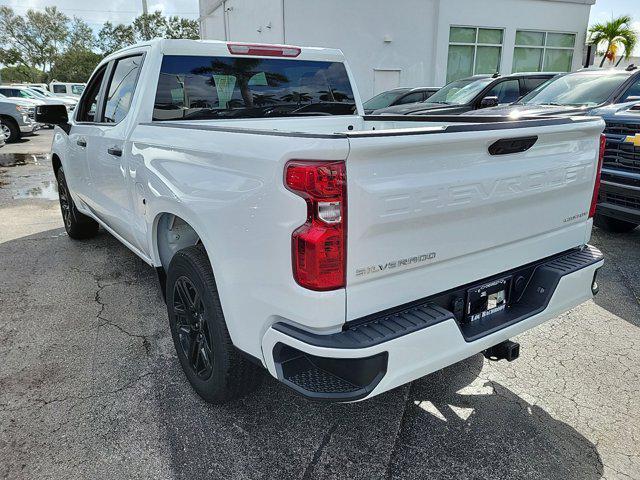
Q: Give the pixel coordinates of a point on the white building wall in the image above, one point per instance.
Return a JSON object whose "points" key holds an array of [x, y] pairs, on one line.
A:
{"points": [[511, 15], [383, 38], [404, 41]]}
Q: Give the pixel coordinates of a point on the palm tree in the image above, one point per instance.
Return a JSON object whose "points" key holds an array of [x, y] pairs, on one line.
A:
{"points": [[297, 97], [615, 33], [243, 69], [332, 95], [262, 99]]}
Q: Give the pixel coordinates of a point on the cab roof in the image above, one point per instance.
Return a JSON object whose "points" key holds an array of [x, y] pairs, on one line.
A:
{"points": [[220, 48]]}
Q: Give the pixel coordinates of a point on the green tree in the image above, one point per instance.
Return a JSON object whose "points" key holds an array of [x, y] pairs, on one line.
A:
{"points": [[182, 28], [33, 40], [615, 33], [20, 73], [80, 36], [150, 25], [75, 65], [114, 37]]}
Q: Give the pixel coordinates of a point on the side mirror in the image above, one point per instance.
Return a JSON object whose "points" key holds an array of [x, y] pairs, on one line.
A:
{"points": [[488, 102], [53, 115]]}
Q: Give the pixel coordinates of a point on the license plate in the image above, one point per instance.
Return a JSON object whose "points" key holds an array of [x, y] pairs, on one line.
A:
{"points": [[487, 299]]}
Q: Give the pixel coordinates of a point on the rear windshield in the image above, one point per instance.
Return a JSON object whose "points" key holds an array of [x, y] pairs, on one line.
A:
{"points": [[198, 87]]}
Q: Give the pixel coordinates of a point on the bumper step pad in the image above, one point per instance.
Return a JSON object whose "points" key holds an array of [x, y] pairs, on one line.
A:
{"points": [[335, 379], [348, 379]]}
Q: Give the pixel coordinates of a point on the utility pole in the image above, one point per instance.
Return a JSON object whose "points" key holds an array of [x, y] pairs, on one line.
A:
{"points": [[145, 12]]}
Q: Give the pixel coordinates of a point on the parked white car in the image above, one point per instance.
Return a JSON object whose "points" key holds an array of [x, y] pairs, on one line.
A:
{"points": [[66, 89], [69, 102], [346, 254], [17, 91]]}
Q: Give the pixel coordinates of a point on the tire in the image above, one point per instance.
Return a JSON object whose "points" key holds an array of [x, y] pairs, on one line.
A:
{"points": [[77, 225], [614, 225], [217, 371], [10, 130]]}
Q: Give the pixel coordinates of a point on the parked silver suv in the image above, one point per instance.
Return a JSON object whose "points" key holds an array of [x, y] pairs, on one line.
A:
{"points": [[16, 119]]}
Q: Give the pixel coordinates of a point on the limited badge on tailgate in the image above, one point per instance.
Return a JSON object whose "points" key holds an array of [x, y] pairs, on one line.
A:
{"points": [[487, 299]]}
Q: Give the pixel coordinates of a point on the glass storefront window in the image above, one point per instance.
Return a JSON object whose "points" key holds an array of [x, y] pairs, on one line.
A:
{"points": [[543, 51], [473, 50]]}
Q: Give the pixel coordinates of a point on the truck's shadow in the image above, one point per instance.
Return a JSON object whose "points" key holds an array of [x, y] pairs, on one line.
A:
{"points": [[448, 425], [621, 268]]}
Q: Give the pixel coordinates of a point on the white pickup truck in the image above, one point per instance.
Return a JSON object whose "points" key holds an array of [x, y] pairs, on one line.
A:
{"points": [[345, 254]]}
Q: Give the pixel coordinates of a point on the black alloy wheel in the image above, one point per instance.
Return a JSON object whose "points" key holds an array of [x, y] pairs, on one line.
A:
{"points": [[192, 329], [77, 225], [65, 202]]}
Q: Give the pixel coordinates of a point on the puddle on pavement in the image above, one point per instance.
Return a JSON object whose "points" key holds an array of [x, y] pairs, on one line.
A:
{"points": [[18, 159], [47, 191]]}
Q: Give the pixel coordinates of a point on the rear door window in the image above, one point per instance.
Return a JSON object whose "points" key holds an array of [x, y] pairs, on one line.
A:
{"points": [[199, 87], [57, 88], [121, 88]]}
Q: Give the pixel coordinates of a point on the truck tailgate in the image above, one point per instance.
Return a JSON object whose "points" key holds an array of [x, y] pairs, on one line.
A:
{"points": [[429, 212]]}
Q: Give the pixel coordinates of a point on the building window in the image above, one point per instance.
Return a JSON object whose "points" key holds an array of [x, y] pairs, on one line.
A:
{"points": [[473, 50], [543, 51]]}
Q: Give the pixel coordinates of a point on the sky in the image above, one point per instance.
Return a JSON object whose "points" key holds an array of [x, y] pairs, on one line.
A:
{"points": [[124, 11], [117, 11], [603, 10]]}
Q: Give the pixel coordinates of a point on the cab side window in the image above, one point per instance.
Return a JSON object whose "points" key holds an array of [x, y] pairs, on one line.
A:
{"points": [[411, 98], [530, 84], [121, 88], [632, 91], [88, 106], [507, 91], [57, 88]]}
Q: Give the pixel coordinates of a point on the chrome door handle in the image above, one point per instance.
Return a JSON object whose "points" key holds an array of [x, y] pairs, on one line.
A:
{"points": [[115, 151], [81, 142]]}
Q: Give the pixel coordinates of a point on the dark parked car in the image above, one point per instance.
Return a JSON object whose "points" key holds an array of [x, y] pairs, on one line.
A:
{"points": [[577, 93], [398, 96], [618, 207], [479, 91]]}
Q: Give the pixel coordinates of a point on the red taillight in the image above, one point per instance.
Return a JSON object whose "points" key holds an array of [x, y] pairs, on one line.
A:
{"points": [[263, 50], [596, 185], [318, 247]]}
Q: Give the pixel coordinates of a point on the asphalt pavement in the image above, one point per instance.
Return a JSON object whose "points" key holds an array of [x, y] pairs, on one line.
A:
{"points": [[90, 386]]}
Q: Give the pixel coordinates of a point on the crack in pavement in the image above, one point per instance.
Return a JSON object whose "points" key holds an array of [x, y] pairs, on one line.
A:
{"points": [[41, 403], [316, 455], [145, 341], [400, 429]]}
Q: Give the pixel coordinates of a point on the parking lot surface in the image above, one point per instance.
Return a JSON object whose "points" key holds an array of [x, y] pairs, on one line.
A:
{"points": [[90, 386]]}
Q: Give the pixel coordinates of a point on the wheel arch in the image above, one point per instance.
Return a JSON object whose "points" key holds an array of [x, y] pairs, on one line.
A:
{"points": [[56, 163], [172, 232], [8, 118]]}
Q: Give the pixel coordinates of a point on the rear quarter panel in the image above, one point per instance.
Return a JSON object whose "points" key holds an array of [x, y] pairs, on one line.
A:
{"points": [[229, 188]]}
